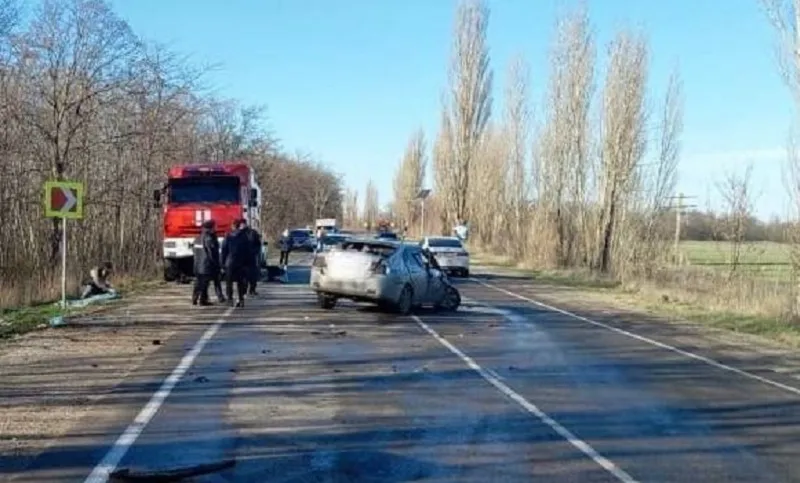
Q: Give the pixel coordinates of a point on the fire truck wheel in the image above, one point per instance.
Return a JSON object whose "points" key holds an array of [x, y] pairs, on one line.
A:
{"points": [[170, 271]]}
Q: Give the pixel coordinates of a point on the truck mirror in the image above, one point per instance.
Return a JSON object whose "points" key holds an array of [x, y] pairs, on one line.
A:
{"points": [[253, 197], [156, 198]]}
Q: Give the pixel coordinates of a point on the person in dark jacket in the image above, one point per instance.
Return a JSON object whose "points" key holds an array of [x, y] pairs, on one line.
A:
{"points": [[206, 263], [217, 276], [254, 270], [236, 258], [285, 244]]}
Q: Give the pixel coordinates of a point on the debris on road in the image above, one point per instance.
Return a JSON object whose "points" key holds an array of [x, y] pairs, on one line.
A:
{"points": [[178, 474], [156, 341]]}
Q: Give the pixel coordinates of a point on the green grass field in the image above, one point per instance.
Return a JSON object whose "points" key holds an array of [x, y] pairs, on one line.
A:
{"points": [[767, 259]]}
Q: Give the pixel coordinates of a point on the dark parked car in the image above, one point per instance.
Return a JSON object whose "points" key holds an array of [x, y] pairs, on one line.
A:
{"points": [[302, 239]]}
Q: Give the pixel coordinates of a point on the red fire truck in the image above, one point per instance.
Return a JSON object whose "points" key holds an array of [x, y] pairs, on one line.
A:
{"points": [[198, 192]]}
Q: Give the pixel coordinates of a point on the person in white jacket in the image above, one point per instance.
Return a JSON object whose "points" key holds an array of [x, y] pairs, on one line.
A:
{"points": [[99, 281]]}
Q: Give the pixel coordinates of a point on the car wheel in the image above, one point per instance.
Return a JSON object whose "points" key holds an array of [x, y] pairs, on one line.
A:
{"points": [[405, 302], [465, 273], [326, 301], [451, 300], [171, 271]]}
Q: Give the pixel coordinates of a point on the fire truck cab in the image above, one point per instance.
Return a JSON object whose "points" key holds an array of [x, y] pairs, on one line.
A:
{"points": [[195, 193]]}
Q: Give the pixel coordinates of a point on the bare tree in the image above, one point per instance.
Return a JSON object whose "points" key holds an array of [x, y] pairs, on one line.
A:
{"points": [[470, 103], [488, 200], [624, 134], [784, 15], [737, 197], [516, 131], [409, 178], [565, 141], [443, 174], [658, 182], [81, 97], [351, 211], [76, 53], [371, 206]]}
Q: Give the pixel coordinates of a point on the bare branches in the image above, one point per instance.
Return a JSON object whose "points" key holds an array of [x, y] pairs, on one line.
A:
{"points": [[516, 129], [738, 200], [565, 142], [409, 178], [784, 15], [624, 136], [82, 97], [470, 103], [372, 209]]}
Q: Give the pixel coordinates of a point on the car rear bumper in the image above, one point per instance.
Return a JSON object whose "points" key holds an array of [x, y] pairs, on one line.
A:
{"points": [[371, 289], [453, 263]]}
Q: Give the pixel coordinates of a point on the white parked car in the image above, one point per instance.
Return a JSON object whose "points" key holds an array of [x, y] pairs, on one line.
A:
{"points": [[450, 253]]}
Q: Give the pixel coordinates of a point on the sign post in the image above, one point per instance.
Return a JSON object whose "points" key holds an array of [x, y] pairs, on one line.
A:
{"points": [[63, 199]]}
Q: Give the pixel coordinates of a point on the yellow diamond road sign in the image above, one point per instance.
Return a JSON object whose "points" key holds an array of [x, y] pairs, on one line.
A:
{"points": [[63, 199]]}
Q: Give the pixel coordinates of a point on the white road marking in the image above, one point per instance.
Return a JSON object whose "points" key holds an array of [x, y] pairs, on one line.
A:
{"points": [[565, 433], [108, 464], [641, 338]]}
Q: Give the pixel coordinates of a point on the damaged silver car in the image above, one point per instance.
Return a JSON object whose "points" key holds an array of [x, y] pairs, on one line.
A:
{"points": [[391, 274]]}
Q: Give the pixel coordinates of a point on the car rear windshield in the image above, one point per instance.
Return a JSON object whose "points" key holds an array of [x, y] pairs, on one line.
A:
{"points": [[372, 248], [299, 234], [388, 236], [444, 243]]}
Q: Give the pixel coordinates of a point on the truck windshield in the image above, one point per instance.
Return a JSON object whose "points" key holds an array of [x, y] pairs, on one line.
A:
{"points": [[213, 189]]}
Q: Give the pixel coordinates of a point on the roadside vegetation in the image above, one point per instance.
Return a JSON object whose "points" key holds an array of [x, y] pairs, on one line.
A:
{"points": [[580, 187], [82, 97]]}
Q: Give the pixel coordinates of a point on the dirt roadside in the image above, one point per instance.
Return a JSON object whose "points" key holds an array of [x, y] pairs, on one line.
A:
{"points": [[52, 378]]}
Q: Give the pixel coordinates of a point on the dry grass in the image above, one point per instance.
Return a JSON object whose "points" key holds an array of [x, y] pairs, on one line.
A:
{"points": [[739, 303], [28, 305]]}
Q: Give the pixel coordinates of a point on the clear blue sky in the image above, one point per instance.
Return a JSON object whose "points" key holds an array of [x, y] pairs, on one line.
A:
{"points": [[349, 80]]}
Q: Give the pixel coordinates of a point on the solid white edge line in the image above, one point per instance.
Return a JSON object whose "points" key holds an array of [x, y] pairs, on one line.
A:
{"points": [[641, 338], [565, 433], [108, 464]]}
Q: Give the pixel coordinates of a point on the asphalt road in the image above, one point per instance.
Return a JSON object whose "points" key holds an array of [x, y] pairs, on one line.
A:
{"points": [[504, 390]]}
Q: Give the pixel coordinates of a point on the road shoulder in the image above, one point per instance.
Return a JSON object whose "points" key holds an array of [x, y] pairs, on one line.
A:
{"points": [[605, 304], [54, 378]]}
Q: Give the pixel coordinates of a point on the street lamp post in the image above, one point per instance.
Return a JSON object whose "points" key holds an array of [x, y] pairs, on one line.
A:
{"points": [[422, 194]]}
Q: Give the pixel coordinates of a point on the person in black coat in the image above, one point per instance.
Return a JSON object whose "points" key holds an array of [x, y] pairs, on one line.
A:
{"points": [[206, 263], [285, 244], [254, 270], [236, 258]]}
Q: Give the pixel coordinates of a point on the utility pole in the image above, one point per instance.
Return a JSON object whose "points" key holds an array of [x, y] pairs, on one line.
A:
{"points": [[679, 223]]}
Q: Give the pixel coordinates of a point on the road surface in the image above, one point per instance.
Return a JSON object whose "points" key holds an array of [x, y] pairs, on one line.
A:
{"points": [[504, 390]]}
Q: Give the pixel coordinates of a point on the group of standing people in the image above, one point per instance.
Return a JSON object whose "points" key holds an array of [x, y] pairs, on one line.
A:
{"points": [[239, 262]]}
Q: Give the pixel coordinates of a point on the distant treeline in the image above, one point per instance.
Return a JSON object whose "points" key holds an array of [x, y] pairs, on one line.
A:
{"points": [[710, 226]]}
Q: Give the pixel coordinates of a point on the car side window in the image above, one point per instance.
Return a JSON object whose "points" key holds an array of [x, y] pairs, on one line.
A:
{"points": [[413, 263]]}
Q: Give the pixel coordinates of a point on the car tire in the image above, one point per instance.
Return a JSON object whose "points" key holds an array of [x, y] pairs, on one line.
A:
{"points": [[405, 302], [465, 273], [451, 300], [326, 302], [171, 271]]}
